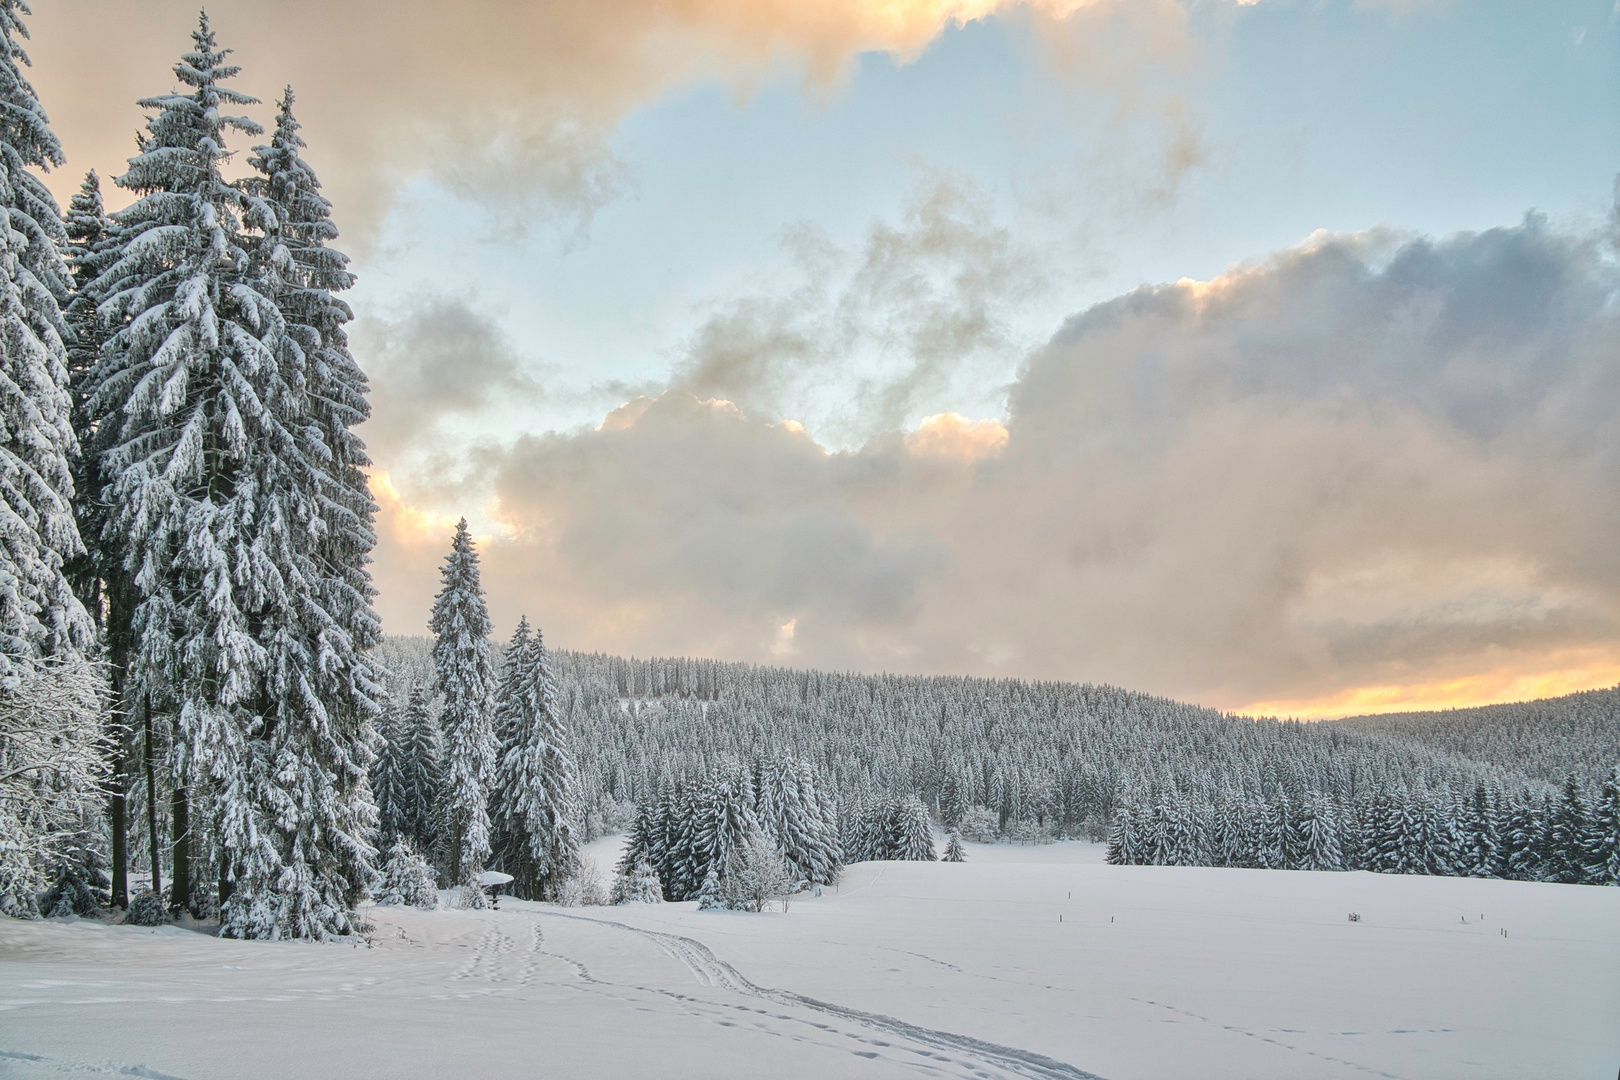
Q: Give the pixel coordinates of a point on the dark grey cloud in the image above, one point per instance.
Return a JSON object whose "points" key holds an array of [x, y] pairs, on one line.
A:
{"points": [[441, 358]]}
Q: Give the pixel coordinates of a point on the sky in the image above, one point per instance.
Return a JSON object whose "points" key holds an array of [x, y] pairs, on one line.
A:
{"points": [[1264, 354]]}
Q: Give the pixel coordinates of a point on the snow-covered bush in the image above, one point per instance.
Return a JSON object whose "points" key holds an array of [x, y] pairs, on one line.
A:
{"points": [[470, 896], [146, 910], [52, 766], [755, 875], [710, 896], [407, 879], [1029, 831], [638, 884], [585, 887], [980, 824], [80, 888]]}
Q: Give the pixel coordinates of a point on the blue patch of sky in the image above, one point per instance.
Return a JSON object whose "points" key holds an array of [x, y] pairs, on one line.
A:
{"points": [[1312, 115]]}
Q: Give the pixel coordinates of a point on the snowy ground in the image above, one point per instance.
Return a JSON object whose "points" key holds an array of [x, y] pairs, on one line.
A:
{"points": [[1024, 962]]}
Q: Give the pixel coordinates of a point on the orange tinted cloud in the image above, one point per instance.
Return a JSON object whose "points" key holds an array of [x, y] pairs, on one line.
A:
{"points": [[1524, 680], [952, 435], [498, 100]]}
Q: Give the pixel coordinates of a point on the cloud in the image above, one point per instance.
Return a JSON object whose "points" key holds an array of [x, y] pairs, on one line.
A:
{"points": [[505, 103], [952, 435], [1367, 465], [439, 360], [923, 304]]}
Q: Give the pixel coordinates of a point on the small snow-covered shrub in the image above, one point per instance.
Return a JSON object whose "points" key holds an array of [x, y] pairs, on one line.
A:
{"points": [[471, 897], [146, 910], [585, 887], [980, 825], [953, 849], [638, 884], [80, 888], [710, 896], [755, 874], [407, 879]]}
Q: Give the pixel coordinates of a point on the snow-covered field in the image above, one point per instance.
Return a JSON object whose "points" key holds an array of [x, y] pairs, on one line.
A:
{"points": [[1031, 962]]}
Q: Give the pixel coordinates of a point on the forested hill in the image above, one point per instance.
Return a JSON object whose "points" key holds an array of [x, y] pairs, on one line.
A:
{"points": [[1546, 739], [1046, 758]]}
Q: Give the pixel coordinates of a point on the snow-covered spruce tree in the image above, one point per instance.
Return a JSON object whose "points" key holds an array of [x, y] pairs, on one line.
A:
{"points": [[49, 773], [39, 614], [954, 851], [92, 241], [303, 272], [407, 879], [1318, 836], [532, 801], [408, 778], [709, 895], [1482, 855], [797, 819], [465, 678], [1568, 833], [910, 832], [1605, 845], [99, 580], [509, 841], [637, 883], [214, 509]]}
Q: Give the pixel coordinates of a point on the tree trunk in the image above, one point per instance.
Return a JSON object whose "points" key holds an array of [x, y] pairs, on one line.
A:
{"points": [[118, 824], [180, 874], [226, 885], [151, 797]]}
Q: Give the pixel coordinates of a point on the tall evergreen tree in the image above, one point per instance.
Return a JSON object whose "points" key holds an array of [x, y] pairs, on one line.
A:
{"points": [[213, 497], [39, 614], [320, 655], [92, 241], [1483, 854], [794, 817], [465, 678], [1569, 835], [303, 273], [105, 589], [533, 799], [910, 831], [409, 775], [1604, 866]]}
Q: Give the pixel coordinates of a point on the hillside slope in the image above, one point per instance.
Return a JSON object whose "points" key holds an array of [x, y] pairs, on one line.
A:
{"points": [[1049, 758], [1545, 739]]}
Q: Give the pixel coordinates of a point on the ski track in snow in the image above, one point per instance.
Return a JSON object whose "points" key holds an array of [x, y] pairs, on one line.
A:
{"points": [[104, 1068], [981, 1058]]}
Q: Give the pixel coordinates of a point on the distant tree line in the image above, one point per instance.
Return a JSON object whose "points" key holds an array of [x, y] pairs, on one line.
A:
{"points": [[999, 759], [1569, 836]]}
